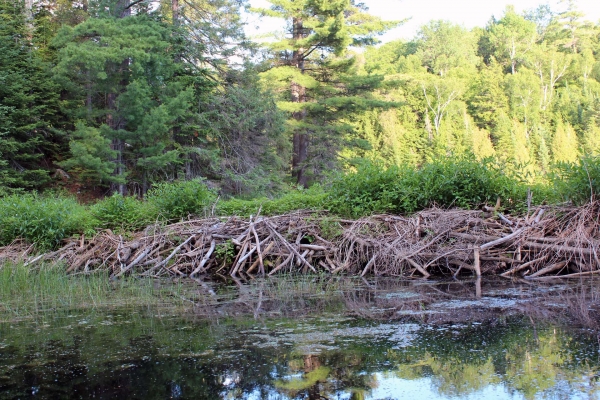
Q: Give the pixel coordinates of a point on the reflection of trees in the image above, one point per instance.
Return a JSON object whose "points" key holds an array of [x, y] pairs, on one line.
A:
{"points": [[344, 373], [118, 356], [523, 363], [452, 377]]}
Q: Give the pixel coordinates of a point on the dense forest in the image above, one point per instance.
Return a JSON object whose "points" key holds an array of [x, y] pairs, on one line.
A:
{"points": [[103, 96]]}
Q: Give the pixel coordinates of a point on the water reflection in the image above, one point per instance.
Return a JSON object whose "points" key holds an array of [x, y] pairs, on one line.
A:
{"points": [[384, 341]]}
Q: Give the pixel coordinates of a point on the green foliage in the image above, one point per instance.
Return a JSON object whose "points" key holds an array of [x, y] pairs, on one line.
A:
{"points": [[577, 182], [330, 228], [303, 199], [252, 143], [449, 183], [225, 252], [28, 105], [127, 114], [121, 213], [42, 220], [178, 200], [368, 190], [318, 84]]}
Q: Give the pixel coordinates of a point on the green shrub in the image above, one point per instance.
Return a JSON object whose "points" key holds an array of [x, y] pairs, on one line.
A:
{"points": [[577, 182], [306, 199], [42, 220], [178, 200], [122, 213], [468, 184], [371, 189], [407, 189]]}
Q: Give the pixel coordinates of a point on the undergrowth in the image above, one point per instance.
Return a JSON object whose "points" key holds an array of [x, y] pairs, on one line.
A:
{"points": [[47, 219], [406, 189]]}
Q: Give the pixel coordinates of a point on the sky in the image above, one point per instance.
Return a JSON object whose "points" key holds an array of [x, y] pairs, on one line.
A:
{"points": [[469, 13]]}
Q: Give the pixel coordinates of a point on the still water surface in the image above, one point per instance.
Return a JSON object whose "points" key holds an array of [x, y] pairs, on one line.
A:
{"points": [[380, 340]]}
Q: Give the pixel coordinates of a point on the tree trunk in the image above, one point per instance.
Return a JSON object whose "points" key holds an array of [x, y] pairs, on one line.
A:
{"points": [[301, 139], [123, 10], [116, 144], [175, 10]]}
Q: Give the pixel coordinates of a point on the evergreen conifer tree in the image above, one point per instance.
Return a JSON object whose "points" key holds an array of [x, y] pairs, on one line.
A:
{"points": [[28, 105], [309, 60]]}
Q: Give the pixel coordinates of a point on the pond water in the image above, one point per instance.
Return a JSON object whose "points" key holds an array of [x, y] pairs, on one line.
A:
{"points": [[364, 340]]}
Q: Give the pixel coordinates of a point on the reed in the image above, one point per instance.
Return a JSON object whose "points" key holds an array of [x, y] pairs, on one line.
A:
{"points": [[25, 290]]}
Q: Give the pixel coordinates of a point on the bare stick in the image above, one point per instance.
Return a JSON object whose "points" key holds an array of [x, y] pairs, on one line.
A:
{"points": [[206, 257], [505, 220], [255, 263], [283, 264], [548, 269], [133, 263], [260, 257], [523, 266], [477, 262], [418, 267], [289, 246], [173, 253], [242, 260], [371, 261], [502, 239], [435, 239], [575, 275]]}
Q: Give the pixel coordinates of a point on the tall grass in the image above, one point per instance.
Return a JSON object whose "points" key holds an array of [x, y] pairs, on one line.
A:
{"points": [[309, 199], [175, 201], [24, 290]]}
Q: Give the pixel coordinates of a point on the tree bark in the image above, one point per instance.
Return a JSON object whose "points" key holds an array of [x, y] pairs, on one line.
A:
{"points": [[116, 144], [300, 139], [175, 11], [123, 10]]}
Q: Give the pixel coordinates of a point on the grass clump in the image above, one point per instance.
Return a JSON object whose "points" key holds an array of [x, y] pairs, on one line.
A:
{"points": [[24, 290], [43, 220], [165, 202]]}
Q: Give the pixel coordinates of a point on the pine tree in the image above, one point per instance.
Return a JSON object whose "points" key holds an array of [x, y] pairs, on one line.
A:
{"points": [[122, 81], [320, 32], [28, 105], [487, 97]]}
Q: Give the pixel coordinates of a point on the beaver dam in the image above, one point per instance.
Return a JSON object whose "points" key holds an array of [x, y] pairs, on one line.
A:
{"points": [[548, 242]]}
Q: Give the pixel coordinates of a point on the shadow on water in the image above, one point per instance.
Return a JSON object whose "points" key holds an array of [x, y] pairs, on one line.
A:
{"points": [[316, 338]]}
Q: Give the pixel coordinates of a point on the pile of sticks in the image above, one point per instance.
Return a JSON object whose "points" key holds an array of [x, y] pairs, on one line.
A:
{"points": [[544, 243]]}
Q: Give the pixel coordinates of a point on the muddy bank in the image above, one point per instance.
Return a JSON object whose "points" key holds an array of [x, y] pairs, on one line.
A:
{"points": [[544, 243]]}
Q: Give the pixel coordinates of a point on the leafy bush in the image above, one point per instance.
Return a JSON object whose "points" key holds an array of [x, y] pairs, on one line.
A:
{"points": [[453, 183], [577, 182], [468, 184], [371, 189], [122, 213], [307, 199], [42, 220], [174, 201]]}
